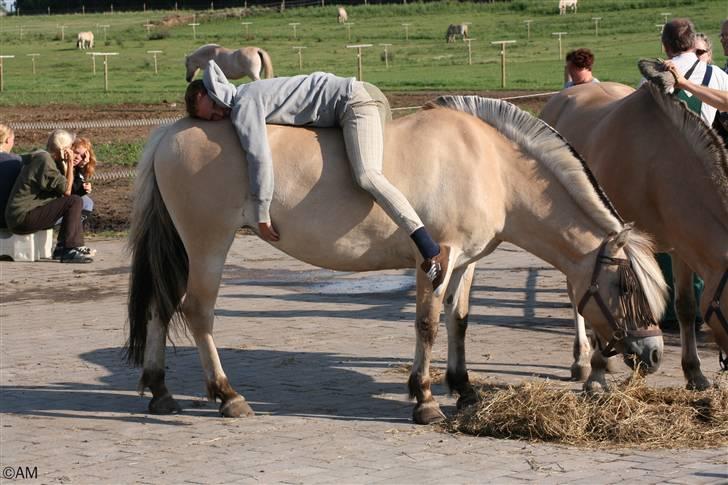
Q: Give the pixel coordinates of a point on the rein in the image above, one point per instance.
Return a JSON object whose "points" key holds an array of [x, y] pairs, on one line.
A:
{"points": [[714, 307], [621, 329]]}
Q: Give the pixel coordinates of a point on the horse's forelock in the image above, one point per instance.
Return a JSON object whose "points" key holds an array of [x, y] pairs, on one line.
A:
{"points": [[640, 252]]}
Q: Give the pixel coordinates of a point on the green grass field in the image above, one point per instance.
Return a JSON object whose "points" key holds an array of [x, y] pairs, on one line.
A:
{"points": [[628, 30]]}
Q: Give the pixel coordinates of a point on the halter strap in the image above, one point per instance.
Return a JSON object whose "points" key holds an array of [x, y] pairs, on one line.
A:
{"points": [[714, 307], [620, 331]]}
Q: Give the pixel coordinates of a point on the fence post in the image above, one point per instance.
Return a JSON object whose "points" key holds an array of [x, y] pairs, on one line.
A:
{"points": [[2, 77], [32, 59], [561, 55], [386, 55], [359, 47], [503, 44], [300, 57], [154, 53]]}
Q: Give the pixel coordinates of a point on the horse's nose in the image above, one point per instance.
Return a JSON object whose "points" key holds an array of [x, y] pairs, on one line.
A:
{"points": [[644, 352]]}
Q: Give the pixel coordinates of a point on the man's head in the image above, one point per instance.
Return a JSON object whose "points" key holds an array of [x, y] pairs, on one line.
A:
{"points": [[579, 64], [678, 36], [58, 141], [200, 105], [7, 138], [724, 36]]}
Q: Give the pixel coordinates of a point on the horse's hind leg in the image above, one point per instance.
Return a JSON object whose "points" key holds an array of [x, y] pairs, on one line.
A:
{"points": [[420, 383], [198, 306], [153, 375], [457, 307], [685, 309]]}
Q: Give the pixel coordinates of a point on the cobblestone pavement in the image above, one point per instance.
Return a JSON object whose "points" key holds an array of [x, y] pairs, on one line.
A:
{"points": [[321, 356]]}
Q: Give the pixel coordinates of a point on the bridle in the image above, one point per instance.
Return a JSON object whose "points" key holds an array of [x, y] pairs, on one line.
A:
{"points": [[621, 329], [714, 307]]}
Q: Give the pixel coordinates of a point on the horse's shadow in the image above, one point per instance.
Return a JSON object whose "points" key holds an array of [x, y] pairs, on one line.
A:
{"points": [[274, 382]]}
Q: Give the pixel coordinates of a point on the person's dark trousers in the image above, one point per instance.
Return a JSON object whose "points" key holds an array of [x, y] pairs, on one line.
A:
{"points": [[45, 216]]}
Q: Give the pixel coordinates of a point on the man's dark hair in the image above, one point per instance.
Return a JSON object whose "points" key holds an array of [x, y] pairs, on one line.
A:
{"points": [[191, 96], [678, 36], [581, 58]]}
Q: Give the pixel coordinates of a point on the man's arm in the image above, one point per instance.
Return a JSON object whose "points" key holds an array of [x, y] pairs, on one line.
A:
{"points": [[714, 97]]}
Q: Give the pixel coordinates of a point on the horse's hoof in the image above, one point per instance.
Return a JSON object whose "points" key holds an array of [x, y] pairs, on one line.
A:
{"points": [[164, 405], [700, 383], [580, 373], [235, 408], [466, 399], [595, 387], [428, 413]]}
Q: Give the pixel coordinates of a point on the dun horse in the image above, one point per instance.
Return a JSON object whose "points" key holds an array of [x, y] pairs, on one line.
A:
{"points": [[246, 61], [501, 175], [85, 40], [667, 171]]}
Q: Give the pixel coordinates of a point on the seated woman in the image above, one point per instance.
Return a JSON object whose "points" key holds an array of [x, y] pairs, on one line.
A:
{"points": [[10, 165], [42, 194], [322, 100]]}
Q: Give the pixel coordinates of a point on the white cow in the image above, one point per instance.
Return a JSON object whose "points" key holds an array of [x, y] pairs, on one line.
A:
{"points": [[564, 4], [85, 40], [342, 16]]}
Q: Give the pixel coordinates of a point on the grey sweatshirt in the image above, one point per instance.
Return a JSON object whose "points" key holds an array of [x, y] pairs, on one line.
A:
{"points": [[317, 99]]}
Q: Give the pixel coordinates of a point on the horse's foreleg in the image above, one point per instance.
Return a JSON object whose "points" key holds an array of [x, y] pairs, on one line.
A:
{"points": [[153, 375], [685, 309], [198, 307], [420, 383], [581, 367], [457, 307]]}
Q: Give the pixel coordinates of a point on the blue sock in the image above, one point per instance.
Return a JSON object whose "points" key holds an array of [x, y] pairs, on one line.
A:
{"points": [[427, 247]]}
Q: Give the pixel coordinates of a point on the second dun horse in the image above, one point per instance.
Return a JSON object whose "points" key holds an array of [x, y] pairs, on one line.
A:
{"points": [[235, 63], [668, 171], [479, 173]]}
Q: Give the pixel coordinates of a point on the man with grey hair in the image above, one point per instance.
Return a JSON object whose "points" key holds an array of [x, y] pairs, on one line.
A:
{"points": [[42, 194]]}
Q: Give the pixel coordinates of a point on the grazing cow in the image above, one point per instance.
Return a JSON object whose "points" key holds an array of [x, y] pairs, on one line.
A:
{"points": [[456, 30], [342, 17], [564, 4], [85, 40]]}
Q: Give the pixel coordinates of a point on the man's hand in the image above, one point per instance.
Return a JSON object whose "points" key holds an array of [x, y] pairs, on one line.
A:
{"points": [[679, 78], [87, 187], [267, 232]]}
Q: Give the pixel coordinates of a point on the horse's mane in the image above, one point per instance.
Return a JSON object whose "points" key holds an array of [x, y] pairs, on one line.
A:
{"points": [[706, 143], [539, 140]]}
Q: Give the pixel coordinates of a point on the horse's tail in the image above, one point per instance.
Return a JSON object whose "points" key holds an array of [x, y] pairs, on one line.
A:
{"points": [[267, 63], [159, 264]]}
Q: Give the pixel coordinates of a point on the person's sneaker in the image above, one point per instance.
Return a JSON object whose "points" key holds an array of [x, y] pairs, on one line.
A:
{"points": [[73, 255], [57, 253], [436, 268], [86, 250]]}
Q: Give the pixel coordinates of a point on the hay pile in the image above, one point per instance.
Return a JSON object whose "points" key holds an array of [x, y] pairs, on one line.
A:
{"points": [[633, 414]]}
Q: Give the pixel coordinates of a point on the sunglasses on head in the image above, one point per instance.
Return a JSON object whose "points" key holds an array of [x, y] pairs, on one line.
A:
{"points": [[700, 52]]}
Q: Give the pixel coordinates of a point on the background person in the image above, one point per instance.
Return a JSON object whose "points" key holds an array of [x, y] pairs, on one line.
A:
{"points": [[10, 165], [42, 193], [578, 68], [703, 48]]}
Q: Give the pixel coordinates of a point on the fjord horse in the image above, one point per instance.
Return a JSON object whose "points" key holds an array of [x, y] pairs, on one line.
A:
{"points": [[478, 174], [235, 63], [666, 170]]}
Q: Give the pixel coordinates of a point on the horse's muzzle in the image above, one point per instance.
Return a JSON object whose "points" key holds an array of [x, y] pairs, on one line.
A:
{"points": [[644, 352]]}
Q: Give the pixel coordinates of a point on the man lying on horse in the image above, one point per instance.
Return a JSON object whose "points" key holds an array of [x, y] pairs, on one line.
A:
{"points": [[320, 100]]}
